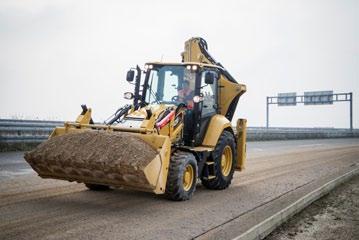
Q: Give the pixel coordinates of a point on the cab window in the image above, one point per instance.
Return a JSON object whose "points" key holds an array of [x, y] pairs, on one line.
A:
{"points": [[208, 92]]}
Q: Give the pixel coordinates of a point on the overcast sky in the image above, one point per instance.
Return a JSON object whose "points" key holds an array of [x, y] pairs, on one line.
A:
{"points": [[56, 55]]}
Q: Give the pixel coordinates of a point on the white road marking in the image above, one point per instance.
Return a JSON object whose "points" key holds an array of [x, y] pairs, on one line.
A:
{"points": [[311, 145], [257, 149], [5, 173]]}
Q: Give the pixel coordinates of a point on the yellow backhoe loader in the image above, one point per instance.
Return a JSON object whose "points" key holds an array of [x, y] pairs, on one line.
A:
{"points": [[177, 130]]}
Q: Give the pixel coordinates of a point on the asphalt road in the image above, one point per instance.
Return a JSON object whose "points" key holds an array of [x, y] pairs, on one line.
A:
{"points": [[278, 173]]}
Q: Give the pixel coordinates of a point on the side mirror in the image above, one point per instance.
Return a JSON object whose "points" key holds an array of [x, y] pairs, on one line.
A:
{"points": [[209, 78], [130, 75]]}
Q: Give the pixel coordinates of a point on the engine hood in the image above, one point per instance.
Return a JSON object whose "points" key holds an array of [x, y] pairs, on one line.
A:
{"points": [[144, 117]]}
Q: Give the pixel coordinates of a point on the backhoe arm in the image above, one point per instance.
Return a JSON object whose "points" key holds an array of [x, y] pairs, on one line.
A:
{"points": [[196, 50]]}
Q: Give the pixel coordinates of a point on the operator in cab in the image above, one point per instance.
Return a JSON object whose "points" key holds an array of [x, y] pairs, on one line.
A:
{"points": [[185, 94]]}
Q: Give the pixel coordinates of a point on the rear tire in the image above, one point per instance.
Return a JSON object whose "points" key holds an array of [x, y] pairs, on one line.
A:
{"points": [[182, 176], [97, 187], [225, 160]]}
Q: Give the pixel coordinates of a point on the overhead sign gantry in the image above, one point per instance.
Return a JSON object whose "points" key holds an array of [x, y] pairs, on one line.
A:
{"points": [[310, 98]]}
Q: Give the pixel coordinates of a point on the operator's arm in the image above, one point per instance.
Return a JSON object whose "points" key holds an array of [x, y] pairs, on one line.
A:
{"points": [[188, 99]]}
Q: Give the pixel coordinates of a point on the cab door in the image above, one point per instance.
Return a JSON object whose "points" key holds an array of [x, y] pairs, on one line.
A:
{"points": [[208, 104]]}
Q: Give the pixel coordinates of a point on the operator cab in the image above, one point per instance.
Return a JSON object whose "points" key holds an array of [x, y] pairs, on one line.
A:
{"points": [[190, 84], [179, 83]]}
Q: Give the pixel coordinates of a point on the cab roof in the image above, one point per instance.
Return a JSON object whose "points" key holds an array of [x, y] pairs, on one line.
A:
{"points": [[185, 64]]}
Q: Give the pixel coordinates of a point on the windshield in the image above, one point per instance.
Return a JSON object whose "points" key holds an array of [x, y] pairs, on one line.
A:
{"points": [[171, 84]]}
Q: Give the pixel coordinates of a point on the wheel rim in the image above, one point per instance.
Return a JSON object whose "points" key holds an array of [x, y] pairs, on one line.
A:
{"points": [[226, 161], [188, 176]]}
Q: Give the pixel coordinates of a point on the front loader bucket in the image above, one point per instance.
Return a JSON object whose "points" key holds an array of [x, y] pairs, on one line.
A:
{"points": [[120, 159]]}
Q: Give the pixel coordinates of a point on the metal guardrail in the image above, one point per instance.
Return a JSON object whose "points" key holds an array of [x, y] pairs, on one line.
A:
{"points": [[16, 131], [36, 131], [25, 122]]}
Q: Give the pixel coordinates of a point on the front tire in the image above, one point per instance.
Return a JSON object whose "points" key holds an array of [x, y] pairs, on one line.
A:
{"points": [[225, 159], [182, 176]]}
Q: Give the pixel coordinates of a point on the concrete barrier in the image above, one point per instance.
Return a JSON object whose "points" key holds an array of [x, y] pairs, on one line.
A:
{"points": [[264, 228], [26, 134], [266, 134]]}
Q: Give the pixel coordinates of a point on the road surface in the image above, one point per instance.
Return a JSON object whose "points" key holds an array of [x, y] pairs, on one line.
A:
{"points": [[277, 174]]}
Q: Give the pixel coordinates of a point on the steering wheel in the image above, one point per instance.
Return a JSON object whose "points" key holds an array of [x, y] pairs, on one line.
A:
{"points": [[175, 98]]}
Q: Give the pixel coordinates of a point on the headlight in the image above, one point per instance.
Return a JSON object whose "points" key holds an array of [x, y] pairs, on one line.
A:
{"points": [[148, 66], [197, 99], [192, 67], [128, 95]]}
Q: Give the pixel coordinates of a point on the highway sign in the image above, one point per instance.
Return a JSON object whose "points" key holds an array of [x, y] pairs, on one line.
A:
{"points": [[287, 99], [318, 98]]}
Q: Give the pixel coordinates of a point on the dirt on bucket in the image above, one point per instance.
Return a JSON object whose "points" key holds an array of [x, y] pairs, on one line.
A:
{"points": [[93, 155]]}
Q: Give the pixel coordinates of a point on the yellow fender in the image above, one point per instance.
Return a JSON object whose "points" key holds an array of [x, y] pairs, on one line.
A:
{"points": [[215, 128], [217, 125]]}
